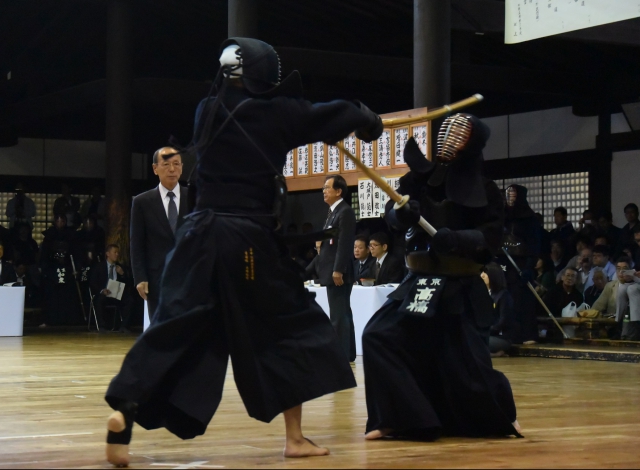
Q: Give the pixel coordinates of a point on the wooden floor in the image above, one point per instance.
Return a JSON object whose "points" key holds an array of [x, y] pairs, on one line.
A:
{"points": [[574, 414]]}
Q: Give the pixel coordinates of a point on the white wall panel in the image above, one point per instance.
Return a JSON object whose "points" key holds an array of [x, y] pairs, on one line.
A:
{"points": [[625, 183], [25, 159], [498, 145]]}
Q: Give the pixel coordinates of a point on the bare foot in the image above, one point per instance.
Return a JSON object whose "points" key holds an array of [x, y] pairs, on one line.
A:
{"points": [[117, 454], [303, 448], [377, 434], [516, 426]]}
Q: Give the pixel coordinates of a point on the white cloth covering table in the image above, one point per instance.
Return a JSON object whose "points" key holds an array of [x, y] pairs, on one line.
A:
{"points": [[11, 311], [365, 301]]}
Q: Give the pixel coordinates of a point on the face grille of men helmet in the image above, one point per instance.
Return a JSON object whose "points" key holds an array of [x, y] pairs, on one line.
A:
{"points": [[511, 196], [453, 137]]}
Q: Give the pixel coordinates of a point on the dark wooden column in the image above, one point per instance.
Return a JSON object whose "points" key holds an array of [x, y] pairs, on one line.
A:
{"points": [[431, 53], [243, 18], [600, 171], [119, 110]]}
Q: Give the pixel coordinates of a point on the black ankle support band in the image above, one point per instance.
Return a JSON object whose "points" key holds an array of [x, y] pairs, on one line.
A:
{"points": [[128, 410]]}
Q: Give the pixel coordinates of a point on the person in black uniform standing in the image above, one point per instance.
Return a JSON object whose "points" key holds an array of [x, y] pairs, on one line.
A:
{"points": [[426, 358], [522, 241], [229, 287]]}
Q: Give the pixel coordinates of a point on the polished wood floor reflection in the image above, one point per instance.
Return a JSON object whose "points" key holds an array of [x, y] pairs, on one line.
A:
{"points": [[575, 414]]}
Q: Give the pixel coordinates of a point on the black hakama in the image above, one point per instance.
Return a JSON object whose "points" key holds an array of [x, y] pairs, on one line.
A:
{"points": [[426, 377], [238, 294]]}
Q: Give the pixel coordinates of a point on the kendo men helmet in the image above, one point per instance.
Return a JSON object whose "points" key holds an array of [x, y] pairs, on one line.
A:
{"points": [[257, 64], [454, 135]]}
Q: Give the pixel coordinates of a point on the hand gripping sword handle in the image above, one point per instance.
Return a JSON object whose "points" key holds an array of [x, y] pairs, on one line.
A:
{"points": [[531, 288], [394, 195]]}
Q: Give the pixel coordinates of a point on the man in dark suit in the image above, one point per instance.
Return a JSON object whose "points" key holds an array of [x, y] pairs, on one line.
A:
{"points": [[101, 273], [334, 262], [364, 262], [155, 217], [387, 267]]}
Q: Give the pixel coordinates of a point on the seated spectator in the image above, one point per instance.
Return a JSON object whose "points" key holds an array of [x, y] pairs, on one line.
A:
{"points": [[546, 275], [387, 268], [28, 277], [608, 230], [636, 258], [592, 293], [20, 208], [5, 236], [364, 262], [601, 260], [564, 230], [68, 205], [581, 242], [7, 273], [94, 207], [584, 268], [110, 269], [25, 248], [90, 239], [502, 331], [563, 294], [626, 233], [607, 302], [558, 255], [310, 271], [628, 296], [601, 240]]}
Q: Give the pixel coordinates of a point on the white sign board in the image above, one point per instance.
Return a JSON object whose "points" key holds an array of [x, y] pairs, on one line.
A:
{"points": [[372, 199], [532, 19]]}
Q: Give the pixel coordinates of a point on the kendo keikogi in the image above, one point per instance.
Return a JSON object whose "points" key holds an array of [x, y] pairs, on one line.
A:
{"points": [[522, 241], [427, 364], [229, 287]]}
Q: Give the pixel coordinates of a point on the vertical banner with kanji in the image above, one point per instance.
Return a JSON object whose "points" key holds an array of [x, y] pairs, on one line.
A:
{"points": [[288, 165], [372, 199], [400, 140], [366, 153], [317, 153], [420, 136], [333, 154], [384, 149], [303, 160], [351, 146]]}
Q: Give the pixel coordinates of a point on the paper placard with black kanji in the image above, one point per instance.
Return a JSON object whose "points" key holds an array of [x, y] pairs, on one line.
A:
{"points": [[423, 297]]}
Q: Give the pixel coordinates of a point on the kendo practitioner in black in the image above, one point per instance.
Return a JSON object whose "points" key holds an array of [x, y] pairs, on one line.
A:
{"points": [[522, 241], [229, 287], [427, 363]]}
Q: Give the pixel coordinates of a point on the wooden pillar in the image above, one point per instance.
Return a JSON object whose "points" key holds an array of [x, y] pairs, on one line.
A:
{"points": [[242, 18], [119, 110], [431, 53], [600, 171]]}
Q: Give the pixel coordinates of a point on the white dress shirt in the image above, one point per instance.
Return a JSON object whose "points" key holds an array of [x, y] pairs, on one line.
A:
{"points": [[381, 260], [165, 199], [335, 204]]}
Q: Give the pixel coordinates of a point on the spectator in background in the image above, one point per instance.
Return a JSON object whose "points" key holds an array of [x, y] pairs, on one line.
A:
{"points": [[559, 255], [68, 205], [564, 230], [587, 226], [90, 239], [94, 206], [601, 240], [7, 273], [563, 294], [636, 257], [626, 233], [20, 208], [608, 230], [545, 275], [592, 293], [545, 236], [57, 239], [585, 268], [601, 256], [628, 296], [28, 277], [25, 248], [102, 272], [581, 241], [607, 302], [502, 331], [364, 262], [387, 268]]}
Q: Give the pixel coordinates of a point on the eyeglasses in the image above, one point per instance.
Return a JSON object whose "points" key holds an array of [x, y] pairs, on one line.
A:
{"points": [[326, 188], [374, 245]]}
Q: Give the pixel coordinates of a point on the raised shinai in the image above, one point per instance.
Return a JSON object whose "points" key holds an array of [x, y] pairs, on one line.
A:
{"points": [[229, 287]]}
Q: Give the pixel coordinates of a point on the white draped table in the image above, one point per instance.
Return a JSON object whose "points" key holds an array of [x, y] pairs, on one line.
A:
{"points": [[11, 311], [365, 301]]}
